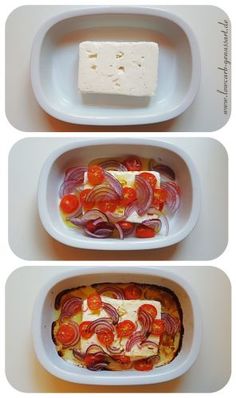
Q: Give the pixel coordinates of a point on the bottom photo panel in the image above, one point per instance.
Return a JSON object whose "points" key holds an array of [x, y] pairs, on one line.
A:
{"points": [[118, 329]]}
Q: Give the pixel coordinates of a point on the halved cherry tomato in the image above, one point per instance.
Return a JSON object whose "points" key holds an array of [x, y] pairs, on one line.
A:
{"points": [[149, 177], [69, 203], [150, 309], [143, 365], [90, 226], [94, 302], [65, 334], [129, 196], [83, 199], [96, 175], [125, 328], [133, 163], [83, 329], [126, 225], [91, 359], [159, 196], [122, 358], [158, 327], [107, 206], [132, 292], [105, 338], [143, 231]]}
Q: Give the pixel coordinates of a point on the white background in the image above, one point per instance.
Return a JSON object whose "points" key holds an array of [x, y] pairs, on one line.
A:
{"points": [[9, 136]]}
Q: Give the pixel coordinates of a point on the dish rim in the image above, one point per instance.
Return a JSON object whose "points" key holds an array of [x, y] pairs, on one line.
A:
{"points": [[105, 244], [115, 120], [137, 378]]}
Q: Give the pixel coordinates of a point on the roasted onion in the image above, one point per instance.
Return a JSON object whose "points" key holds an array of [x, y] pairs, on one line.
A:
{"points": [[115, 290]]}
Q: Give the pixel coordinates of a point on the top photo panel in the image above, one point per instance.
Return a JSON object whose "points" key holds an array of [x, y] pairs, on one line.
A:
{"points": [[126, 69]]}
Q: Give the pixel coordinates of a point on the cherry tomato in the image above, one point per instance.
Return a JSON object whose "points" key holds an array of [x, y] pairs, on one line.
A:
{"points": [[133, 164], [91, 359], [143, 365], [105, 338], [83, 329], [150, 309], [125, 328], [143, 231], [129, 195], [132, 292], [149, 177], [69, 203], [83, 199], [94, 302], [122, 358], [90, 226], [126, 225], [107, 206], [95, 175], [65, 334], [158, 327], [159, 197]]}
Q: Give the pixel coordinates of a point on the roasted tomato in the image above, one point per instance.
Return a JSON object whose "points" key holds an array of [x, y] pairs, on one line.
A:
{"points": [[105, 338], [122, 359], [125, 328], [83, 329], [94, 302], [143, 365], [96, 175], [69, 203], [143, 231], [159, 198], [66, 334], [158, 327], [132, 292], [126, 226], [91, 359], [133, 163], [150, 309], [107, 206], [129, 196], [83, 199], [149, 177]]}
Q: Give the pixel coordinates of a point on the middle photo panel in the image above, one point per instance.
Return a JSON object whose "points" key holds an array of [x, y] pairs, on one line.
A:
{"points": [[108, 199]]}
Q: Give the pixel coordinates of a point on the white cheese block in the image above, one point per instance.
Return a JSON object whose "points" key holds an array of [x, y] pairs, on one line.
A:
{"points": [[127, 310], [127, 68]]}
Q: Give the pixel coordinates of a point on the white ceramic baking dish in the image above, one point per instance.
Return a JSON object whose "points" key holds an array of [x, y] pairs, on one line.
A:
{"points": [[43, 317], [55, 55], [81, 153]]}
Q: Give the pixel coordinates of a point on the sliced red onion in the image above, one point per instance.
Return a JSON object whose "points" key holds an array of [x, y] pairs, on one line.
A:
{"points": [[112, 312], [68, 187], [144, 195], [114, 350], [75, 173], [163, 219], [172, 324], [77, 354], [149, 343], [94, 349], [154, 223], [135, 339], [120, 230], [92, 215], [102, 193], [112, 165], [98, 366], [76, 338], [114, 183], [70, 307], [101, 325], [146, 321], [101, 232], [115, 290], [76, 214], [164, 170], [173, 197]]}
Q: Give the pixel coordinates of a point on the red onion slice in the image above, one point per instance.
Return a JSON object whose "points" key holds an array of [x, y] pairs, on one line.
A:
{"points": [[76, 338], [112, 165], [154, 223], [173, 197], [172, 324], [149, 343], [120, 230], [164, 170], [98, 366], [94, 349], [115, 290], [75, 173], [112, 312], [101, 325], [70, 307], [105, 231], [102, 193], [114, 350], [135, 339], [92, 215], [68, 187], [146, 321], [144, 195], [114, 183]]}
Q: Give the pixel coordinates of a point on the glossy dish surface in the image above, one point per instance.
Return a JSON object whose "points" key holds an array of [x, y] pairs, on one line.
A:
{"points": [[54, 65], [44, 316]]}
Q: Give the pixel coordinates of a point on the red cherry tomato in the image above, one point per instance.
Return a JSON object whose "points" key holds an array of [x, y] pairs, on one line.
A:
{"points": [[143, 231], [69, 203], [83, 329], [122, 358], [126, 225], [66, 334], [90, 226], [143, 365], [107, 206], [150, 309], [105, 338], [83, 199], [94, 302], [149, 177], [129, 196], [95, 175], [158, 327], [92, 359], [159, 197], [133, 163], [132, 292], [125, 328]]}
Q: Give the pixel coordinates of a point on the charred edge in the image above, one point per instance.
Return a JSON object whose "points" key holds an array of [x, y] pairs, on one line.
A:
{"points": [[52, 333]]}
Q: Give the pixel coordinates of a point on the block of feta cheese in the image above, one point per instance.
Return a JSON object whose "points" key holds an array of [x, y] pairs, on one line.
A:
{"points": [[126, 68], [127, 178], [127, 310]]}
